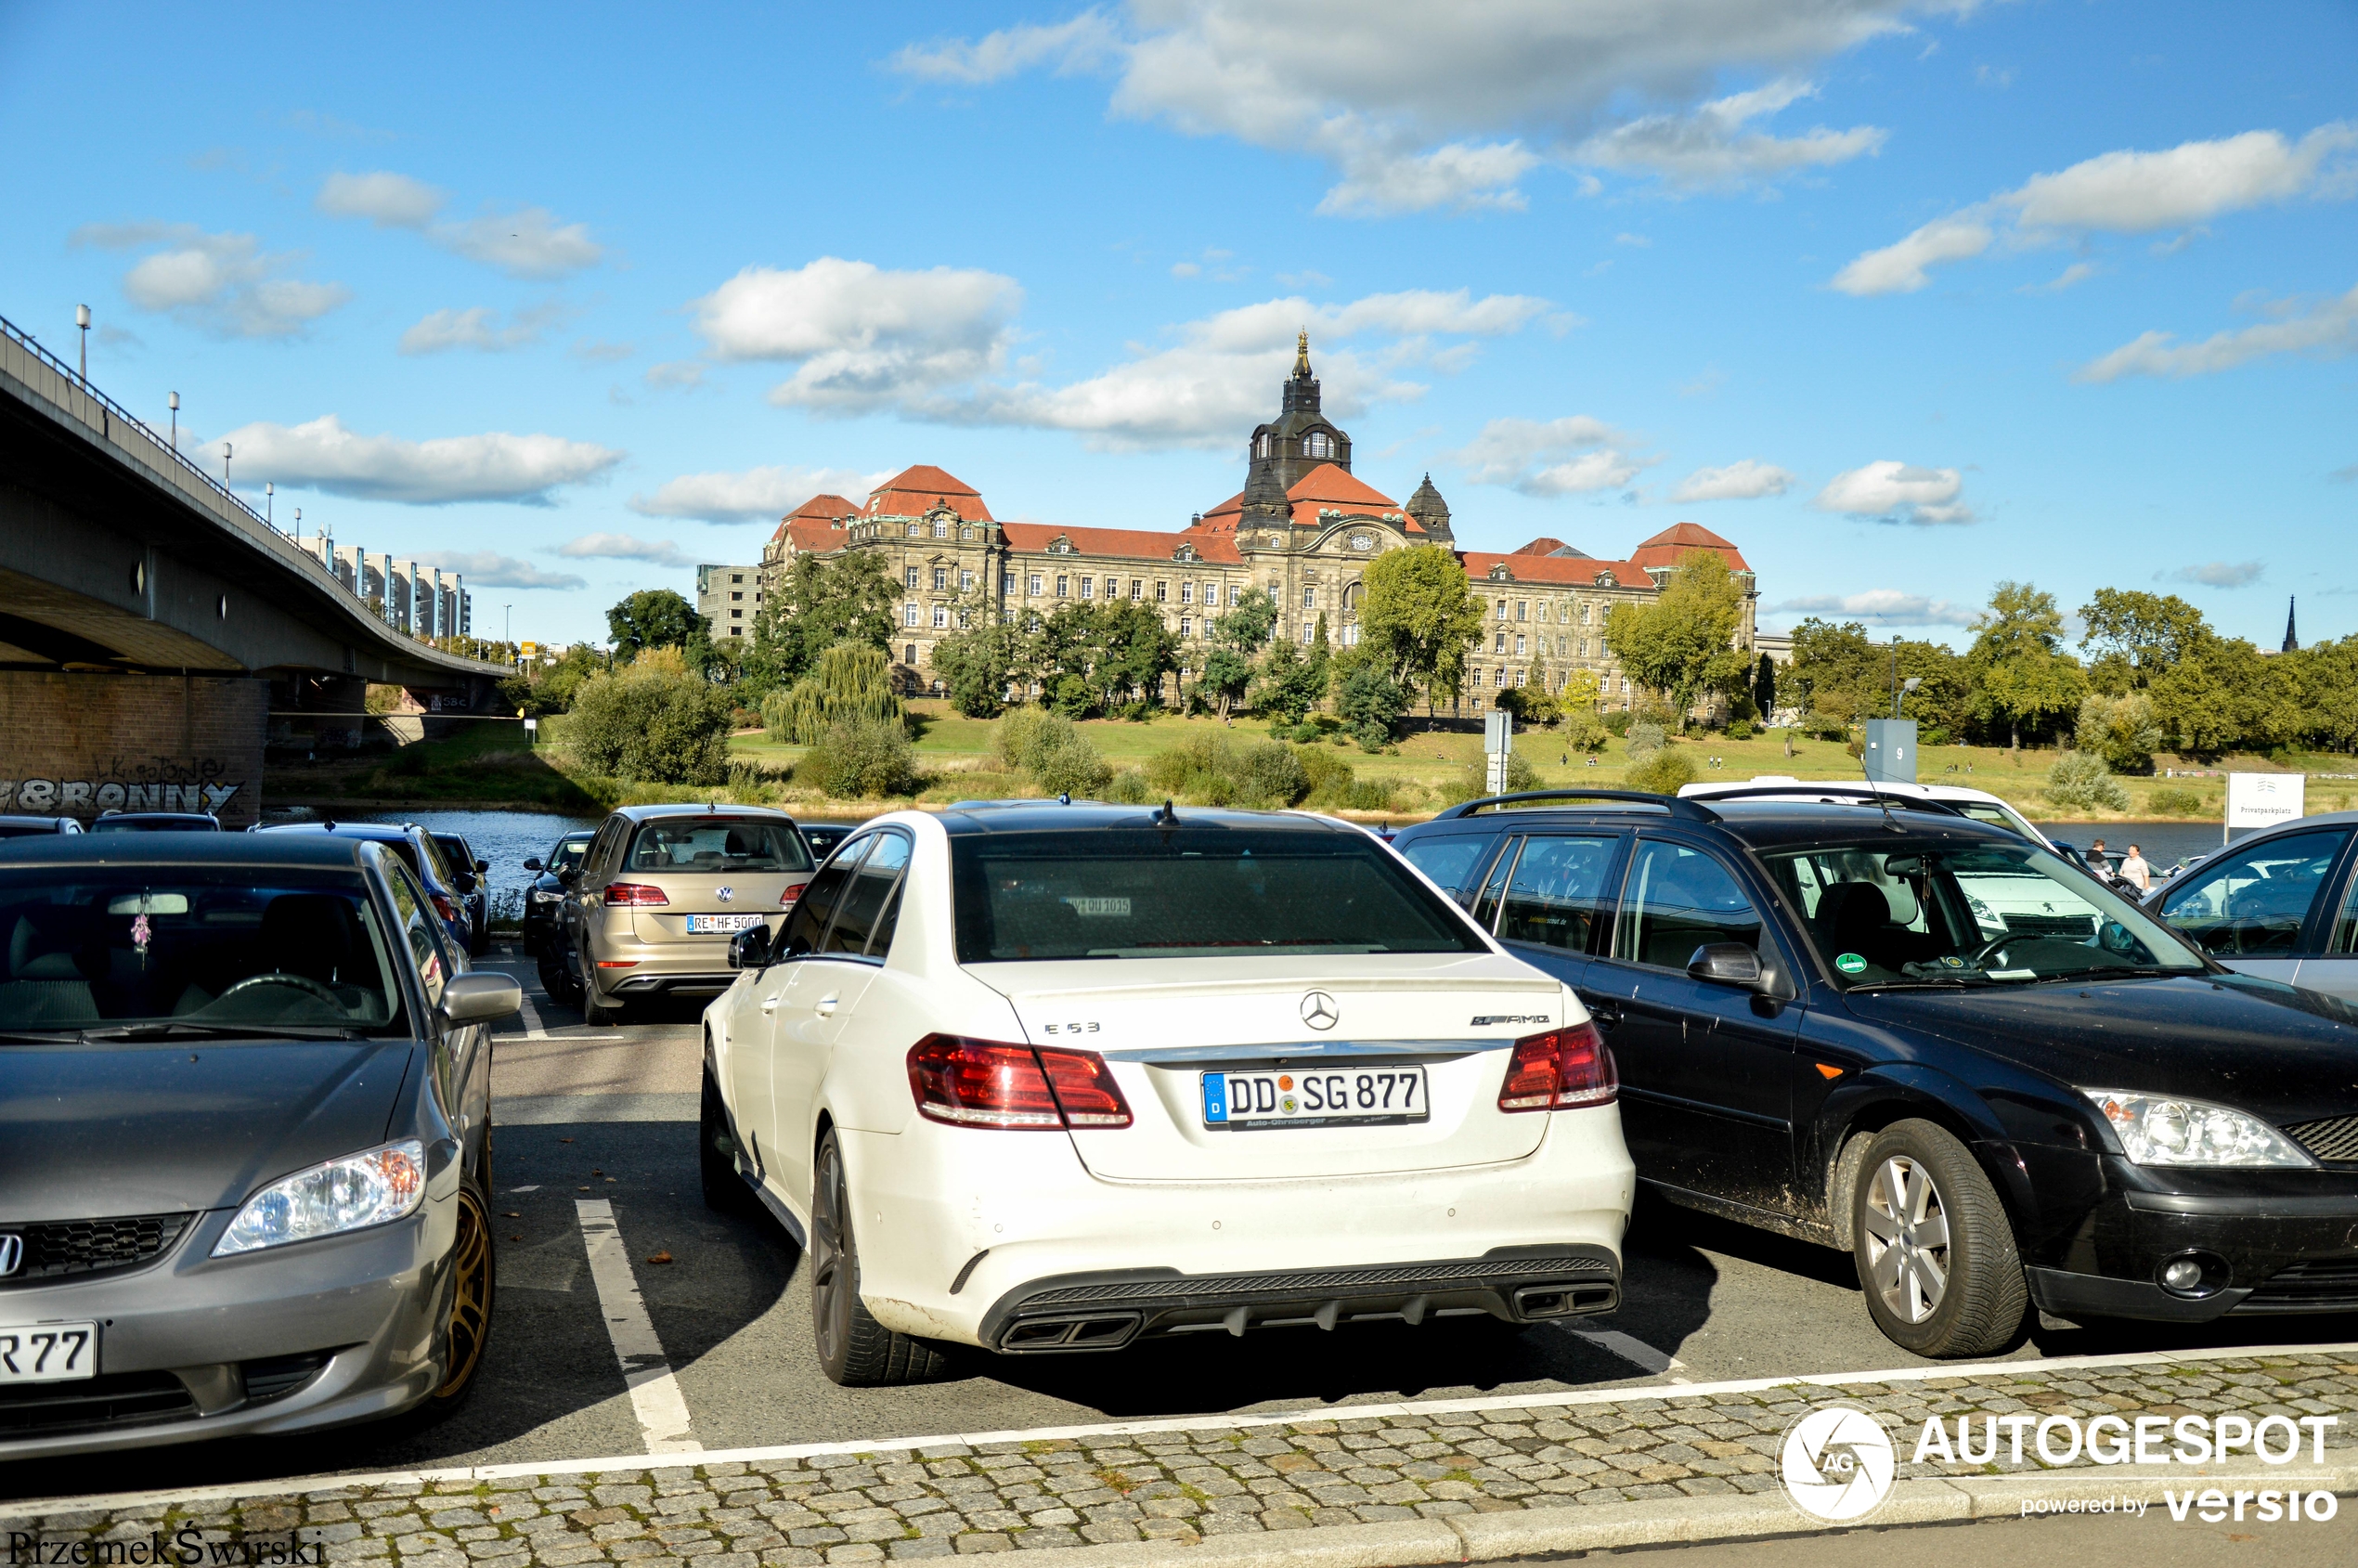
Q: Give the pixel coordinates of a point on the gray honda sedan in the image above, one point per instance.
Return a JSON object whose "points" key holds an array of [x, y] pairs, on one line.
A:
{"points": [[245, 1141]]}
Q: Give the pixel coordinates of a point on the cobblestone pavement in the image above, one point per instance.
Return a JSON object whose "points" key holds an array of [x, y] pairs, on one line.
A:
{"points": [[1189, 1484]]}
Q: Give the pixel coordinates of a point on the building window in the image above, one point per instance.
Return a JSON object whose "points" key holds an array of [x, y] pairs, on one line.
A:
{"points": [[1584, 612], [966, 582], [1498, 677], [1261, 445], [736, 615], [912, 577], [1187, 593], [1318, 444], [1035, 585], [1088, 587], [1305, 634], [1502, 609], [736, 631], [1064, 585], [912, 530], [736, 576], [1137, 589], [941, 578], [940, 530], [1522, 678], [1477, 675], [941, 616], [1163, 591], [966, 533], [1309, 597], [1186, 626], [1523, 609], [734, 597], [1007, 586], [1498, 644], [909, 652], [1519, 650], [907, 615]]}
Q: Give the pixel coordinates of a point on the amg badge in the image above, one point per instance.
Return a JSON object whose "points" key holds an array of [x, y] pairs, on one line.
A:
{"points": [[1480, 1019]]}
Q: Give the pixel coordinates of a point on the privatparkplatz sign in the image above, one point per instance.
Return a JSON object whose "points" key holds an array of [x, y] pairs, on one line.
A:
{"points": [[2264, 799]]}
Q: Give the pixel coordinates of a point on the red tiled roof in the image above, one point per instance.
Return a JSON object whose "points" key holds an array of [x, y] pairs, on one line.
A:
{"points": [[1668, 547], [911, 491], [806, 534], [827, 507], [1129, 544], [1564, 570], [1323, 487], [1543, 546], [808, 524]]}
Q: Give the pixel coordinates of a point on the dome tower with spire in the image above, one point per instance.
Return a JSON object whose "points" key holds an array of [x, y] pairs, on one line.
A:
{"points": [[1297, 440]]}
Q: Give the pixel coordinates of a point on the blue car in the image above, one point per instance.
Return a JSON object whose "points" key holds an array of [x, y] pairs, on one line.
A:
{"points": [[422, 855]]}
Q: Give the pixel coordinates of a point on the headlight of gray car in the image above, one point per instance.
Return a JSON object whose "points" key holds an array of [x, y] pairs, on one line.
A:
{"points": [[2156, 1129], [349, 1193]]}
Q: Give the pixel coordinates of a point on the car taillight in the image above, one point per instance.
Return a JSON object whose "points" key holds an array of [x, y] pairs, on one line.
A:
{"points": [[794, 891], [442, 905], [1559, 1071], [1016, 1088], [634, 893]]}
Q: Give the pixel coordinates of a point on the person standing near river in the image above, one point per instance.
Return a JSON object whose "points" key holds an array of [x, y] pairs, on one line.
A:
{"points": [[2133, 870]]}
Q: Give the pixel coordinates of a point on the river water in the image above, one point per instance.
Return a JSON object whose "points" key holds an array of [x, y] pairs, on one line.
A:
{"points": [[505, 838]]}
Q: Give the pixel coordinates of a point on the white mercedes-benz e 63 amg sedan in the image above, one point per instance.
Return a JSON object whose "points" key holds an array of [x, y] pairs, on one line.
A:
{"points": [[1047, 1078]]}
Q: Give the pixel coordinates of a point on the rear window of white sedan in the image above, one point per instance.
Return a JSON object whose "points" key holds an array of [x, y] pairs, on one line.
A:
{"points": [[1186, 891]]}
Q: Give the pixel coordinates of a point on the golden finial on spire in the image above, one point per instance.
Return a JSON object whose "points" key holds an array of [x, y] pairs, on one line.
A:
{"points": [[1301, 355]]}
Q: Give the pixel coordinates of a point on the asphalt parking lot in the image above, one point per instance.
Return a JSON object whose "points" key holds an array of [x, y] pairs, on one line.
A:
{"points": [[605, 1247]]}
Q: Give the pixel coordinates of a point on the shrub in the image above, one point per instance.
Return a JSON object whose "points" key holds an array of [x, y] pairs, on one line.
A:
{"points": [[1617, 722], [1582, 731], [1210, 770], [1531, 705], [1370, 702], [1474, 782], [1820, 725], [651, 722], [1130, 787], [2081, 780], [1660, 771], [1645, 737], [1071, 696], [1933, 734], [2176, 802], [1045, 745], [1020, 736], [862, 759], [850, 680], [2121, 730], [1329, 776]]}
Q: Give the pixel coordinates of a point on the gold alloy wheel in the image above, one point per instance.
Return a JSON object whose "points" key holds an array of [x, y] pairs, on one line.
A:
{"points": [[470, 1295]]}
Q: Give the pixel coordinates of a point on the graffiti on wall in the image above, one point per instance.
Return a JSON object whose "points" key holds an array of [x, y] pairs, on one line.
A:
{"points": [[163, 784]]}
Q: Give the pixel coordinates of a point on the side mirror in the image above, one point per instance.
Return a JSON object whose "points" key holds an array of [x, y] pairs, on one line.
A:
{"points": [[749, 949], [482, 866], [479, 997], [1726, 964], [531, 862]]}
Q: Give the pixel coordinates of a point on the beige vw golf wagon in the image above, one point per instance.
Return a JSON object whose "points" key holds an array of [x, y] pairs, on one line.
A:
{"points": [[651, 909]]}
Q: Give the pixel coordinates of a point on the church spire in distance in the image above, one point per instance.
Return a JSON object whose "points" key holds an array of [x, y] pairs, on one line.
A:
{"points": [[2292, 643]]}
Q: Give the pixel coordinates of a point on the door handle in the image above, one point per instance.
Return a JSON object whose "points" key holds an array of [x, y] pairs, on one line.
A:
{"points": [[827, 1005], [770, 1004], [1607, 1014]]}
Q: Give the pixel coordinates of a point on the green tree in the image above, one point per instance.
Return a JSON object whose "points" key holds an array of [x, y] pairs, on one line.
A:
{"points": [[1764, 687], [816, 604], [981, 658], [1133, 651], [851, 681], [2326, 676], [1236, 638], [2020, 674], [540, 689], [1683, 642], [653, 719], [2121, 730], [1368, 700], [1422, 618], [653, 618], [1290, 683], [2223, 694], [2133, 637]]}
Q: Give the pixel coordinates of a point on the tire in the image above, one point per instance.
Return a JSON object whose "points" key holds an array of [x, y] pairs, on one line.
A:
{"points": [[724, 1191], [1934, 1246], [475, 1266], [555, 979], [595, 1011], [855, 1351]]}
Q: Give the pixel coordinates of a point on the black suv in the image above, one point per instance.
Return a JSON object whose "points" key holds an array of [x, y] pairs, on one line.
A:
{"points": [[1889, 1029]]}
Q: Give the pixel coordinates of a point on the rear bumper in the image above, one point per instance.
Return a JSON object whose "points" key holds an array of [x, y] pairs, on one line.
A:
{"points": [[1094, 1312], [689, 966]]}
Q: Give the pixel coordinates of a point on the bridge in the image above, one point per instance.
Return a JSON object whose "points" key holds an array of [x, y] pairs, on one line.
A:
{"points": [[155, 630]]}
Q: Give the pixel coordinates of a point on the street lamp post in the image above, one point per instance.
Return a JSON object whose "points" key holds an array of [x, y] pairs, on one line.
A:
{"points": [[174, 400], [298, 524], [82, 319], [225, 467], [269, 489]]}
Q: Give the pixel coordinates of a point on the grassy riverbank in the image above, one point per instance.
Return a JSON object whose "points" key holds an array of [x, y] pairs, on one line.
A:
{"points": [[487, 768]]}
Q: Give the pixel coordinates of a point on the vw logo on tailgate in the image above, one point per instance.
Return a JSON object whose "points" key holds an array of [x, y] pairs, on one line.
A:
{"points": [[1318, 1010], [11, 1254], [724, 894]]}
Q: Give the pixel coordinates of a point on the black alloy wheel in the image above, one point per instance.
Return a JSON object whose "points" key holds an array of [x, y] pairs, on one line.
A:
{"points": [[725, 1191], [1935, 1248], [855, 1351]]}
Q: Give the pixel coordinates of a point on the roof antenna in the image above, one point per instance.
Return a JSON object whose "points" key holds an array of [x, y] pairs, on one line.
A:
{"points": [[1166, 817], [1888, 822], [1064, 797]]}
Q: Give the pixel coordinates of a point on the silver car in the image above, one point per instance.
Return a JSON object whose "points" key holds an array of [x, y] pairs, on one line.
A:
{"points": [[2281, 904], [245, 1141]]}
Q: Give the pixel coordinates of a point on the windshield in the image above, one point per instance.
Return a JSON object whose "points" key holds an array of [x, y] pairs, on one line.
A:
{"points": [[1149, 893], [1990, 914], [569, 852], [25, 827], [716, 844], [241, 949], [154, 824]]}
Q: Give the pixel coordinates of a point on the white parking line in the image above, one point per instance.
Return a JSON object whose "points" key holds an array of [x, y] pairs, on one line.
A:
{"points": [[1636, 1352], [654, 1392], [532, 1028]]}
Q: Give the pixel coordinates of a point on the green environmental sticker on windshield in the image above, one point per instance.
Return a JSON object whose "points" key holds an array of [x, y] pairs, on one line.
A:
{"points": [[1850, 964]]}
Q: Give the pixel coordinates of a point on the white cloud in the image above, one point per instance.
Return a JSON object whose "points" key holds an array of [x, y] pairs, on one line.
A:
{"points": [[2325, 329], [1568, 456], [2078, 272], [865, 337], [221, 283], [624, 547], [1711, 145], [1899, 268], [1421, 107], [385, 198], [479, 328], [1897, 492], [322, 454], [526, 242], [2221, 574], [675, 372], [754, 495], [1888, 607], [1747, 480], [2122, 192], [488, 568]]}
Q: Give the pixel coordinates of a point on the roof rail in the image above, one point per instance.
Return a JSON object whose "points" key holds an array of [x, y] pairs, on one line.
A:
{"points": [[1684, 810], [1837, 794]]}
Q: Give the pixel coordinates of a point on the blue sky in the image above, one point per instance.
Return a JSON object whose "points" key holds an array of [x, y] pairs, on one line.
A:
{"points": [[1902, 298]]}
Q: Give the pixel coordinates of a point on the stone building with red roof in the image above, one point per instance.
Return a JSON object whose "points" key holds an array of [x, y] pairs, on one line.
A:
{"points": [[1303, 528]]}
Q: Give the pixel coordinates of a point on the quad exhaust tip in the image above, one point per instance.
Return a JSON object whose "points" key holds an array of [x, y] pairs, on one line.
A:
{"points": [[1535, 1301], [1098, 1330]]}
